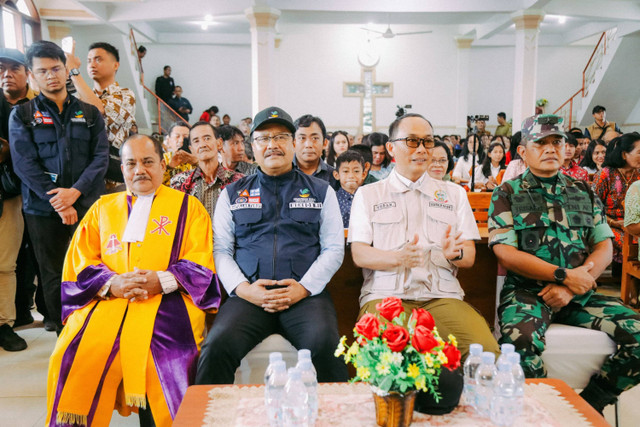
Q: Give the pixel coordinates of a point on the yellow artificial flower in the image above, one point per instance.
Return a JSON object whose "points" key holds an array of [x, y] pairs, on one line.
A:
{"points": [[363, 373], [341, 347], [431, 371], [397, 359], [453, 340], [428, 360], [386, 358], [413, 370], [442, 358], [382, 369], [352, 352], [421, 384]]}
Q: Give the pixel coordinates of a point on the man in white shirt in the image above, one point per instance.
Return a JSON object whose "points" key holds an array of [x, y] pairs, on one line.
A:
{"points": [[410, 234]]}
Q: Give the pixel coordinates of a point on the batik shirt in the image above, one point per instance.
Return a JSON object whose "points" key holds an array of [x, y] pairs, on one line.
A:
{"points": [[344, 201], [119, 112], [558, 220], [575, 171], [193, 183]]}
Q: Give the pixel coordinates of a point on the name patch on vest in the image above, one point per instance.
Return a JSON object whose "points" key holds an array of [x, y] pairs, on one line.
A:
{"points": [[305, 205], [237, 206], [440, 205], [384, 205], [78, 120]]}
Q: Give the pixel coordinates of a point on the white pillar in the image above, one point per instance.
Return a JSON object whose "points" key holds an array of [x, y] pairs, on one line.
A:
{"points": [[462, 75], [263, 31], [526, 69]]}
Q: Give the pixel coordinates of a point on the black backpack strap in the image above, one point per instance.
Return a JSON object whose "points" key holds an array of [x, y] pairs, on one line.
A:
{"points": [[26, 112]]}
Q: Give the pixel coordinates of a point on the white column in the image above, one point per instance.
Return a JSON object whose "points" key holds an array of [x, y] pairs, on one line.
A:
{"points": [[462, 75], [263, 20], [526, 69]]}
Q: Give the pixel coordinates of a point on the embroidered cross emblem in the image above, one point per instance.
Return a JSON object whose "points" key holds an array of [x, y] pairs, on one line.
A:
{"points": [[164, 221], [113, 245]]}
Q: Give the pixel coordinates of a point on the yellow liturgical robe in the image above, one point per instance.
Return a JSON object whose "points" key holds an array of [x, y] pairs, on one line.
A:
{"points": [[114, 353]]}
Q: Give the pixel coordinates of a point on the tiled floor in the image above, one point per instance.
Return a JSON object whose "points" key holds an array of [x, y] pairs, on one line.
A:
{"points": [[23, 385]]}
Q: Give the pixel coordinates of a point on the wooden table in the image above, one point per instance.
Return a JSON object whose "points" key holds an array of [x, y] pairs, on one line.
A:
{"points": [[192, 409]]}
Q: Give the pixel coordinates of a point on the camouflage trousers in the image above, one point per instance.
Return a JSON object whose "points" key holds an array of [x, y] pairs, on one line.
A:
{"points": [[524, 319]]}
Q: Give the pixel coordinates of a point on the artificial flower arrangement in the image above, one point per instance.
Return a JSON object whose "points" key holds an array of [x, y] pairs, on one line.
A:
{"points": [[392, 358], [542, 102]]}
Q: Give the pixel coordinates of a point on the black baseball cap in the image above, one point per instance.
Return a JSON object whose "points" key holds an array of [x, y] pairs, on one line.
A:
{"points": [[13, 55], [273, 115]]}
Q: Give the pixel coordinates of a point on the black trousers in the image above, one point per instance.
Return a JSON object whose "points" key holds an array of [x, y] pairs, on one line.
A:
{"points": [[50, 238], [239, 326], [26, 272]]}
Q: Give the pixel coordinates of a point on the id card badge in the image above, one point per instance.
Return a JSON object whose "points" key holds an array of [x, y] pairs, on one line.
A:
{"points": [[53, 176]]}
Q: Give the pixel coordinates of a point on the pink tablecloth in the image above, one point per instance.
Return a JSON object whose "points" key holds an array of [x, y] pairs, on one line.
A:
{"points": [[352, 405]]}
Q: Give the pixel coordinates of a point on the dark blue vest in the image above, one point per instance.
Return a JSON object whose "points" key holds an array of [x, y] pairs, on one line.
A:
{"points": [[277, 224]]}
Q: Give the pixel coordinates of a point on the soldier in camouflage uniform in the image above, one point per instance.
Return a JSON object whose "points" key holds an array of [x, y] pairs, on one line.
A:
{"points": [[548, 230]]}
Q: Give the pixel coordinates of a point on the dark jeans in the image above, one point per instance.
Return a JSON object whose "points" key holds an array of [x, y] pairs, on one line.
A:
{"points": [[50, 238], [240, 326]]}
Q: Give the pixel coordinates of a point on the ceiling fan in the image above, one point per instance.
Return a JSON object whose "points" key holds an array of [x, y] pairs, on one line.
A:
{"points": [[388, 34]]}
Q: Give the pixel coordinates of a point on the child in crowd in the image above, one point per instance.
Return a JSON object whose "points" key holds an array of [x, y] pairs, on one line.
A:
{"points": [[350, 172]]}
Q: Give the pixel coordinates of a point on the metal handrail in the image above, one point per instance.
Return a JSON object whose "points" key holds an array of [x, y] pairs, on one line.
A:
{"points": [[588, 75], [160, 104]]}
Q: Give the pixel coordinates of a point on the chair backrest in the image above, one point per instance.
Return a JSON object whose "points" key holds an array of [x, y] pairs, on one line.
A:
{"points": [[480, 205]]}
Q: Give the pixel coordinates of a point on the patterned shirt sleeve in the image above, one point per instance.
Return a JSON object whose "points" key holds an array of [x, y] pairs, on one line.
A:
{"points": [[601, 230], [119, 112], [632, 205], [500, 219]]}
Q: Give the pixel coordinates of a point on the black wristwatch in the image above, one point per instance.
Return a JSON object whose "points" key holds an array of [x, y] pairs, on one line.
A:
{"points": [[459, 257], [559, 275], [74, 72]]}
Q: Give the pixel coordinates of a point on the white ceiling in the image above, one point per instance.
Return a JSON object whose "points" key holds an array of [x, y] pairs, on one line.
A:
{"points": [[488, 22]]}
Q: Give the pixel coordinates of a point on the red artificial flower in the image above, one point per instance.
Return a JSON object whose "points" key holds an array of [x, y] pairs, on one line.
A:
{"points": [[453, 356], [369, 326], [390, 308], [423, 318], [397, 337], [423, 340]]}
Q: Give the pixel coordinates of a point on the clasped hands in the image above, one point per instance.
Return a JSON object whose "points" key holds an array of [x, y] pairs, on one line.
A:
{"points": [[272, 300], [180, 157], [137, 285], [411, 255], [63, 202], [578, 282]]}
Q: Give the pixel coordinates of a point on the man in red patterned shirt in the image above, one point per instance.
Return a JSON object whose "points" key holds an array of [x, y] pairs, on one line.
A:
{"points": [[209, 177], [570, 167]]}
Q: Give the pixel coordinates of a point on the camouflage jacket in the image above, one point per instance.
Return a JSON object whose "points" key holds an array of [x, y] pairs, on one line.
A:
{"points": [[559, 223]]}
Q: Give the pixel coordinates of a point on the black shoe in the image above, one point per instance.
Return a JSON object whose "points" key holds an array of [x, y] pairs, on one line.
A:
{"points": [[23, 319], [49, 325], [11, 341], [597, 396]]}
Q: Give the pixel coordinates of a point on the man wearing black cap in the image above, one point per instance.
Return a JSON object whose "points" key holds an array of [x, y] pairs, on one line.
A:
{"points": [[278, 241], [601, 126]]}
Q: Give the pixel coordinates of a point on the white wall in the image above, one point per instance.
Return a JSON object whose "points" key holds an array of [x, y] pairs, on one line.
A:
{"points": [[313, 62]]}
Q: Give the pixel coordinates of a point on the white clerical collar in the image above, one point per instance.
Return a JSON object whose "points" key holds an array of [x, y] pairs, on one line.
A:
{"points": [[138, 219]]}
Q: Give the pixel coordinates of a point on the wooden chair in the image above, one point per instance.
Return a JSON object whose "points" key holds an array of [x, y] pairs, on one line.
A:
{"points": [[630, 270], [480, 205]]}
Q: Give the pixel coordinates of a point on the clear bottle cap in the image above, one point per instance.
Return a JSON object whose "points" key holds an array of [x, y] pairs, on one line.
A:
{"points": [[306, 364], [275, 356], [513, 358], [488, 357], [279, 366], [475, 349], [507, 348], [504, 366], [304, 354]]}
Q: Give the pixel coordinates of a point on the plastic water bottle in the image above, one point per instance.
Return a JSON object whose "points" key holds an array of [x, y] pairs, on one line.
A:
{"points": [[311, 383], [273, 357], [518, 376], [469, 370], [274, 392], [295, 402], [504, 405], [484, 383], [304, 354], [505, 350]]}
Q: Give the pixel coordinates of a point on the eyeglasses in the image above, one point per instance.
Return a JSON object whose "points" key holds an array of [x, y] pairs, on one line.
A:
{"points": [[439, 161], [278, 139], [413, 142], [313, 138], [44, 71]]}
